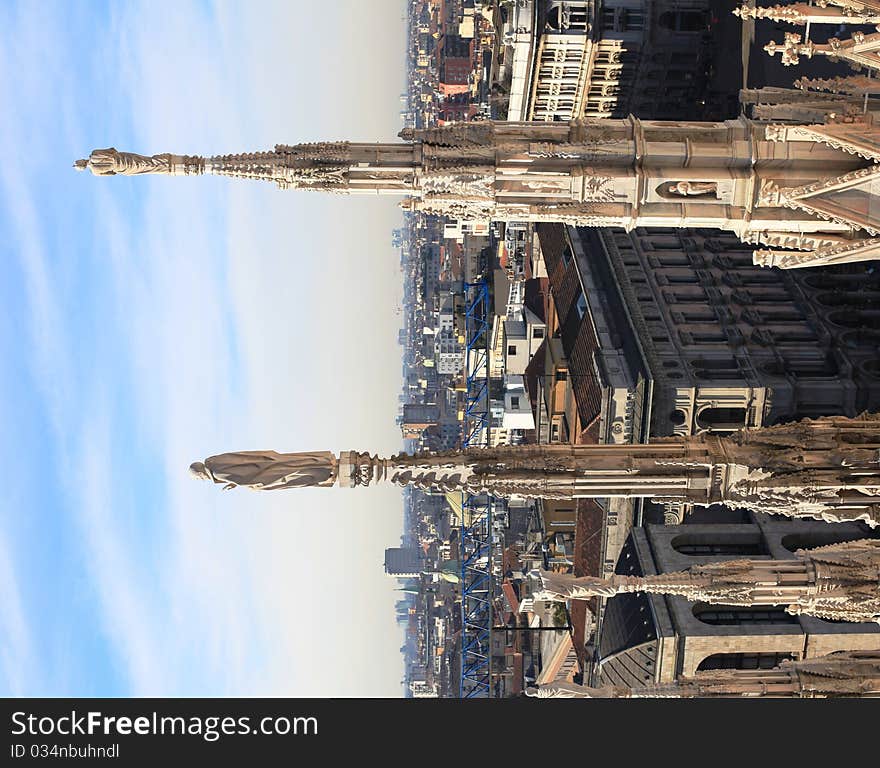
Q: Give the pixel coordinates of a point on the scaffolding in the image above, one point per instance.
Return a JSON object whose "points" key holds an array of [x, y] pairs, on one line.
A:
{"points": [[475, 543]]}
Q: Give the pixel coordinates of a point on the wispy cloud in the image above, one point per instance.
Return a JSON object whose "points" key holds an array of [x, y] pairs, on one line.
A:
{"points": [[20, 670], [165, 319]]}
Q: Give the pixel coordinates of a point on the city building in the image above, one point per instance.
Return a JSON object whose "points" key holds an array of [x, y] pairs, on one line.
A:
{"points": [[405, 561], [565, 59], [657, 638]]}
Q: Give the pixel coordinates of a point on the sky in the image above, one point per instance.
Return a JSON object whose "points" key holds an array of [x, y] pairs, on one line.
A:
{"points": [[153, 321]]}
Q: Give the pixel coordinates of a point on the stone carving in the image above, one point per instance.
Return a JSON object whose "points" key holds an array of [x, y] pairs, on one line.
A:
{"points": [[845, 252], [825, 468], [846, 85], [800, 197], [110, 162], [818, 13], [693, 188], [597, 188], [474, 183], [268, 470], [838, 582], [588, 172]]}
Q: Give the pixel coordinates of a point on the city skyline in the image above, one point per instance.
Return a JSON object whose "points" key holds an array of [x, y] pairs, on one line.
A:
{"points": [[595, 372]]}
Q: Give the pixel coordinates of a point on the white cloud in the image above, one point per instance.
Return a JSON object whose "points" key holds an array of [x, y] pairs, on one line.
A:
{"points": [[19, 667]]}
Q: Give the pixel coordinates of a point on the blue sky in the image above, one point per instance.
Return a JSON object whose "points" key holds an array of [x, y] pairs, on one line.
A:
{"points": [[150, 322]]}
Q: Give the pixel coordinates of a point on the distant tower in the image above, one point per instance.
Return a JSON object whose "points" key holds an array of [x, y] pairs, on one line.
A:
{"points": [[404, 562]]}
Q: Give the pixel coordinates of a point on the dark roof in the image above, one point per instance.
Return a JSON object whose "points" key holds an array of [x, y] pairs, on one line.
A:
{"points": [[628, 624]]}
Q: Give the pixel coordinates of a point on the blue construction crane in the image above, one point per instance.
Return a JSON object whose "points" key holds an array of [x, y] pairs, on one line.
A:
{"points": [[475, 542]]}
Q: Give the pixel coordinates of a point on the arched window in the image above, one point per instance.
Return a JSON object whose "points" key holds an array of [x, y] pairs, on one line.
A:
{"points": [[872, 368], [715, 375], [721, 418], [678, 417], [812, 369], [719, 545], [682, 21], [716, 363], [847, 318], [863, 337], [743, 660], [850, 300]]}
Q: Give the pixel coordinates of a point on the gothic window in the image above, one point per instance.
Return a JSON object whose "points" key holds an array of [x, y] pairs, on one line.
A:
{"points": [[781, 315], [793, 336], [666, 245], [866, 338], [687, 298], [632, 21], [849, 319], [850, 300], [743, 660], [682, 21], [716, 363], [673, 260], [813, 369], [711, 545], [872, 368], [721, 418], [708, 337], [769, 297], [698, 316], [726, 616], [682, 278]]}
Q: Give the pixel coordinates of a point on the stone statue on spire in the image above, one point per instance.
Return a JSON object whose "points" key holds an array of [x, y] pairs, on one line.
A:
{"points": [[268, 470], [824, 468], [111, 162]]}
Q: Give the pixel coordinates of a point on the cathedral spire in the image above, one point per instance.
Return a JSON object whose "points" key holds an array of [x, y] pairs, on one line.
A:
{"points": [[588, 172], [824, 468], [840, 582]]}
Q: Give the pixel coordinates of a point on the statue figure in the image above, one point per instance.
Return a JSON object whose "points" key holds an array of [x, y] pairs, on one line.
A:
{"points": [[268, 470], [110, 162], [693, 188]]}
